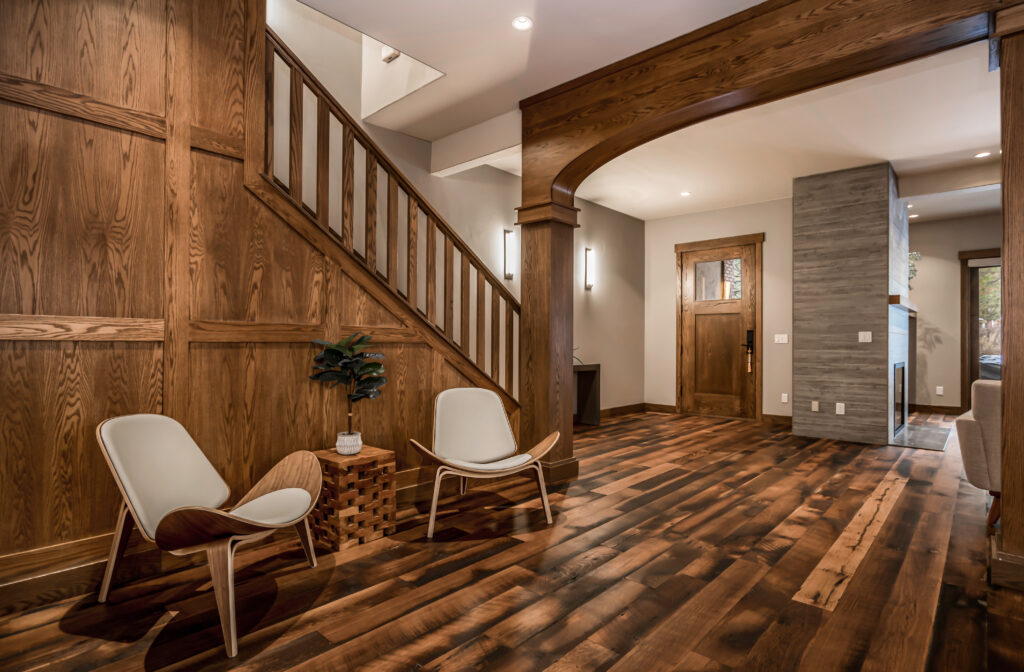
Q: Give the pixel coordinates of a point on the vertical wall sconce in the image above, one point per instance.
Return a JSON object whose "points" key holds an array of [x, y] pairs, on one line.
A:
{"points": [[508, 254], [588, 269]]}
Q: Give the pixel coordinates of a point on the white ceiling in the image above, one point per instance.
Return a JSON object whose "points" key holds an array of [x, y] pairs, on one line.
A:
{"points": [[489, 66], [961, 203], [931, 113]]}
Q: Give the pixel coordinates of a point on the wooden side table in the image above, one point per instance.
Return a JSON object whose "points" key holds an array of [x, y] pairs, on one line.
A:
{"points": [[357, 503]]}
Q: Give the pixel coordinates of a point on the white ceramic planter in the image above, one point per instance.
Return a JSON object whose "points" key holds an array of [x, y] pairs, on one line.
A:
{"points": [[349, 444]]}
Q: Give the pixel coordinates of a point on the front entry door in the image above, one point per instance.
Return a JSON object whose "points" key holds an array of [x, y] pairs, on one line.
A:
{"points": [[719, 344]]}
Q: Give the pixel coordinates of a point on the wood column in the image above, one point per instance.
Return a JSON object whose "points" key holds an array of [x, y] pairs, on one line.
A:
{"points": [[545, 359], [1012, 77]]}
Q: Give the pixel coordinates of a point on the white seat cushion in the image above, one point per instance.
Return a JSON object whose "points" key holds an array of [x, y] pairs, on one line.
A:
{"points": [[507, 463], [275, 508]]}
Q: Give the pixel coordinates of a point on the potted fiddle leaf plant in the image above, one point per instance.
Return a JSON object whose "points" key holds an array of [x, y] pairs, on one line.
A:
{"points": [[362, 373]]}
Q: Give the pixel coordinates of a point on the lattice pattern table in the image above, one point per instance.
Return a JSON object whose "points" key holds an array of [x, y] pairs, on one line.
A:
{"points": [[357, 503]]}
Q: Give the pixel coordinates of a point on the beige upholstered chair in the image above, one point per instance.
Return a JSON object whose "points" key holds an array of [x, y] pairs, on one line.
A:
{"points": [[981, 441], [472, 439], [173, 493]]}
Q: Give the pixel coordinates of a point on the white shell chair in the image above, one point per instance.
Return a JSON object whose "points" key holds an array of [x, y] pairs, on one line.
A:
{"points": [[472, 439], [173, 493]]}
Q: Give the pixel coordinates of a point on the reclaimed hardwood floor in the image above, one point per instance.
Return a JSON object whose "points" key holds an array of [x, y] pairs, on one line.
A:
{"points": [[686, 544]]}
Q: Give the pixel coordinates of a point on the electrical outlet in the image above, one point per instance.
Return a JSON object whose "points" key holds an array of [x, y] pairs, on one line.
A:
{"points": [[814, 407], [782, 338], [840, 408], [785, 398], [939, 391], [863, 336]]}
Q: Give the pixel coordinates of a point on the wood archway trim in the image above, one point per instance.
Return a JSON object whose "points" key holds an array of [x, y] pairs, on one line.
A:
{"points": [[773, 50]]}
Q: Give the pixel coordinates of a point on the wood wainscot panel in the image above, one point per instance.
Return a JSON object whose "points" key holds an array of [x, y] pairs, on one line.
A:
{"points": [[82, 218], [246, 264], [251, 404], [54, 484], [70, 328], [71, 104], [217, 68], [113, 51], [350, 304]]}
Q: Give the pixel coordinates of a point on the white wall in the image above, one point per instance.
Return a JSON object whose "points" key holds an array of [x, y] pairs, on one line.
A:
{"points": [[775, 220], [608, 320], [936, 291], [384, 83]]}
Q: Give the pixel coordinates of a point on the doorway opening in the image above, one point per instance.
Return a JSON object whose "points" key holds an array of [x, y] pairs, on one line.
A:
{"points": [[980, 319], [718, 327]]}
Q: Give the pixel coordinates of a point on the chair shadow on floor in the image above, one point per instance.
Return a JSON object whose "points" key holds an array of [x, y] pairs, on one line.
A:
{"points": [[488, 511], [191, 623]]}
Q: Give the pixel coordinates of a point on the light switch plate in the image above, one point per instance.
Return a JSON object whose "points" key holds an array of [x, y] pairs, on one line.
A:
{"points": [[940, 390], [863, 336], [814, 406], [782, 338], [785, 398], [840, 408]]}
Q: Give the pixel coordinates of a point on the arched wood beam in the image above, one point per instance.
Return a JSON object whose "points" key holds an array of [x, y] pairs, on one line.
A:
{"points": [[770, 51]]}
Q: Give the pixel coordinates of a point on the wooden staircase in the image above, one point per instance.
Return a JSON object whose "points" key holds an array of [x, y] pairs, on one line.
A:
{"points": [[355, 195]]}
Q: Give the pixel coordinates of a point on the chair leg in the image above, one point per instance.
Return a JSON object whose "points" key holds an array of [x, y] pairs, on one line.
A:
{"points": [[462, 484], [994, 512], [221, 555], [306, 540], [433, 502], [122, 533], [543, 492]]}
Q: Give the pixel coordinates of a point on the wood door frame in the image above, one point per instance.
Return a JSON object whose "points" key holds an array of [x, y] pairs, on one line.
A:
{"points": [[965, 328], [757, 240]]}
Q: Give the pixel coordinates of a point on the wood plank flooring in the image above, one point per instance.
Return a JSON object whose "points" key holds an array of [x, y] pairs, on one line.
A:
{"points": [[686, 544]]}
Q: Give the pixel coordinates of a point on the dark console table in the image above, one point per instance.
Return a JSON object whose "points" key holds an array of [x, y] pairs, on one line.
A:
{"points": [[587, 406]]}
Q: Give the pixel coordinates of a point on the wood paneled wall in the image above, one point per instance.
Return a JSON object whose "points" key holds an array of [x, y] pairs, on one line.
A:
{"points": [[138, 274]]}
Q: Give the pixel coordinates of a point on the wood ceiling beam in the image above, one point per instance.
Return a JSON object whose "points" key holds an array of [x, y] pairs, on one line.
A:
{"points": [[776, 49]]}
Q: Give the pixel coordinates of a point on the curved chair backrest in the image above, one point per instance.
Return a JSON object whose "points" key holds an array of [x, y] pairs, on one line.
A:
{"points": [[470, 425], [159, 467]]}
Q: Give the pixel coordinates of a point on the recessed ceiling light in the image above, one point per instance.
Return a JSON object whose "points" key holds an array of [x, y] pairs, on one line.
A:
{"points": [[685, 194], [909, 206], [522, 23], [982, 155], [914, 216]]}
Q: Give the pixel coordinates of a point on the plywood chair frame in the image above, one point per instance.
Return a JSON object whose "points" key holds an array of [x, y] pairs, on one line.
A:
{"points": [[218, 533], [446, 468]]}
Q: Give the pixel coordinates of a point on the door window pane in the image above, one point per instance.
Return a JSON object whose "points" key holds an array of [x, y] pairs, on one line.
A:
{"points": [[716, 280], [990, 323]]}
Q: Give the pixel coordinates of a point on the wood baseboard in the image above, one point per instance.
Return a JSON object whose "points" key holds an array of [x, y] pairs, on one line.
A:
{"points": [[41, 576], [563, 470], [777, 420], [1005, 569], [946, 410], [659, 408], [622, 410]]}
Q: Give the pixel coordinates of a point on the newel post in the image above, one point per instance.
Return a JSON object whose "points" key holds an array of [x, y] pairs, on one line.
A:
{"points": [[545, 358]]}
